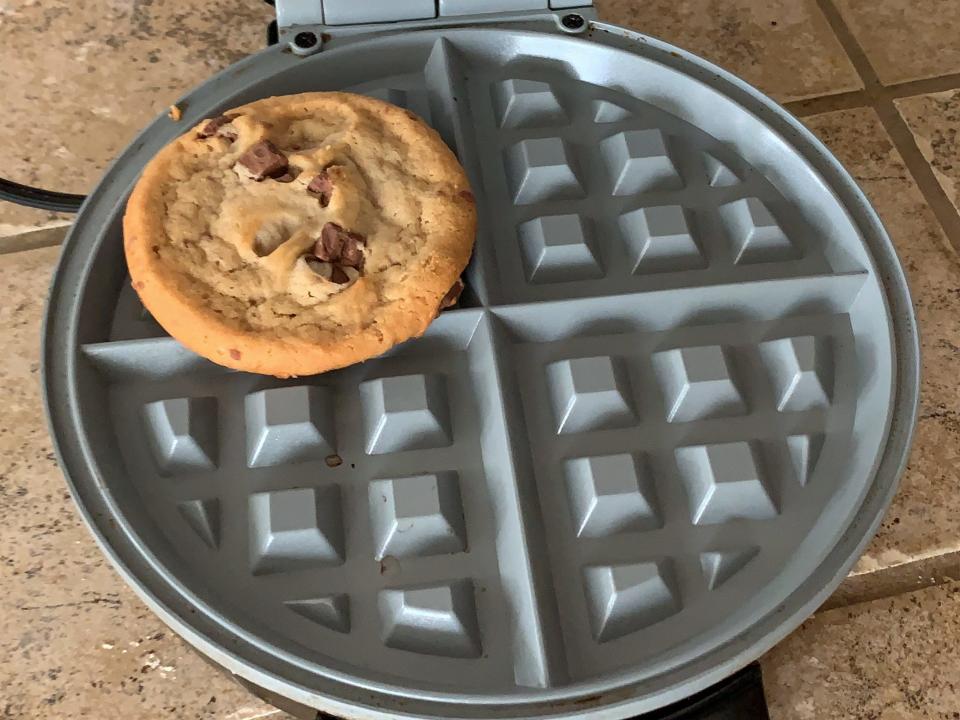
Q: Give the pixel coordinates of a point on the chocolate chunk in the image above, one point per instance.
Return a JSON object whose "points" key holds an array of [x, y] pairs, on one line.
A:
{"points": [[350, 254], [330, 244], [338, 275], [322, 187], [289, 176], [214, 125], [453, 295], [262, 160], [341, 246]]}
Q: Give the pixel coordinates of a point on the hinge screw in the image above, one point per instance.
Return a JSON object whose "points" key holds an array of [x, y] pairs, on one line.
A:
{"points": [[305, 40]]}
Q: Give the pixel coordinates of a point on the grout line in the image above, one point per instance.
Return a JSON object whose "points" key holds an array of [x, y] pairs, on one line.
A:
{"points": [[829, 103], [922, 171], [861, 65], [849, 43], [896, 127], [924, 86], [866, 98]]}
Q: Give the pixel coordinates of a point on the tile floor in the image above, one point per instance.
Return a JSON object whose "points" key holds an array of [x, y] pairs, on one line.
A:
{"points": [[879, 82]]}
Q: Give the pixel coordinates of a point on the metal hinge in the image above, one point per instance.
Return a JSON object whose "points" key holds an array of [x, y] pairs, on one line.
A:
{"points": [[292, 13]]}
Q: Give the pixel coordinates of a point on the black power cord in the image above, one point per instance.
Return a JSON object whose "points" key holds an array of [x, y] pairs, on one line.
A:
{"points": [[39, 198]]}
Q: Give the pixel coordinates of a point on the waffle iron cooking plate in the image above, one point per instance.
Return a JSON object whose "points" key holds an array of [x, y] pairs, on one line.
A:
{"points": [[659, 430]]}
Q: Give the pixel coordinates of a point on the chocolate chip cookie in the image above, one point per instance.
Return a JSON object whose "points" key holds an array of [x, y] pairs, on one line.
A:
{"points": [[301, 233]]}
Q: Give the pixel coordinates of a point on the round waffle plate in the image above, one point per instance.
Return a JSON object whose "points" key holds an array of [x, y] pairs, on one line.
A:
{"points": [[667, 418]]}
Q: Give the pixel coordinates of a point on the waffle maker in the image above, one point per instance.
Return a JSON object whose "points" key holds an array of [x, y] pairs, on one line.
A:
{"points": [[660, 428]]}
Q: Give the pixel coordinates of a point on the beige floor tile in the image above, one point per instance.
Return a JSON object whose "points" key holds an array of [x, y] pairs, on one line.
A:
{"points": [[80, 79], [74, 641], [890, 659], [935, 122], [924, 519], [906, 39], [784, 47]]}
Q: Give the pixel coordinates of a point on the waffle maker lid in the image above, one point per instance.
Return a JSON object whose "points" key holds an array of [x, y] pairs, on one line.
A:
{"points": [[661, 427]]}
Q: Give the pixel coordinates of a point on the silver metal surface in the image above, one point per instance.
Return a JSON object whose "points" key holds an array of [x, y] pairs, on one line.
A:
{"points": [[337, 13], [670, 416], [351, 12]]}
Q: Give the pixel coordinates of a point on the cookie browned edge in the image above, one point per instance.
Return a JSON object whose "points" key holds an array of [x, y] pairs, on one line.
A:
{"points": [[199, 329]]}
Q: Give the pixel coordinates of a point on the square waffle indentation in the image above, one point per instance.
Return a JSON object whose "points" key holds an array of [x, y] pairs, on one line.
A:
{"points": [[419, 515], [723, 483], [623, 599], [405, 412], [289, 424], [432, 620], [605, 111], [294, 529], [610, 494], [527, 103], [541, 169], [638, 161], [800, 370], [755, 233], [589, 393], [556, 248], [183, 434], [697, 384], [659, 239], [329, 611]]}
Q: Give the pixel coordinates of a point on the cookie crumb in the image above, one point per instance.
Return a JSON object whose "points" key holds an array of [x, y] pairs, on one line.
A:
{"points": [[174, 113], [334, 461], [389, 565]]}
